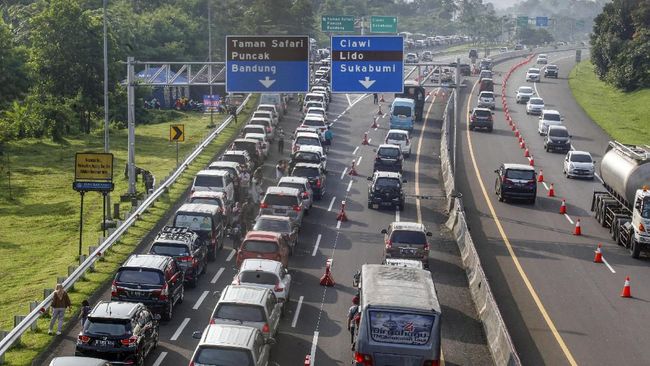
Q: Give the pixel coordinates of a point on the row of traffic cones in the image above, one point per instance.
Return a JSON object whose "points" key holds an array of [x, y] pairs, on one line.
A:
{"points": [[598, 258]]}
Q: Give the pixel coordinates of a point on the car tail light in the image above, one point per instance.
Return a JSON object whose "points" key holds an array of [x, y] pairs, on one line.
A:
{"points": [[363, 359], [473, 118], [389, 244], [426, 247], [130, 342], [212, 320], [114, 289], [297, 208], [185, 259], [164, 292], [318, 183], [305, 195], [641, 227], [431, 363], [296, 147], [268, 129], [531, 182], [278, 288], [265, 328], [191, 363], [83, 338], [264, 205]]}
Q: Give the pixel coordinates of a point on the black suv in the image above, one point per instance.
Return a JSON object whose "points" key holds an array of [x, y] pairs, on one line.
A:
{"points": [[186, 247], [481, 118], [315, 174], [119, 332], [385, 190], [154, 280], [551, 71], [388, 158], [465, 69], [516, 181]]}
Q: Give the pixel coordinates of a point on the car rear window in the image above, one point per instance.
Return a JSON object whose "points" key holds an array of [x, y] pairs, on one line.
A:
{"points": [[254, 130], [303, 140], [520, 174], [302, 171], [307, 157], [194, 222], [313, 122], [280, 200], [298, 186], [400, 110], [526, 90], [558, 132], [258, 277], [552, 117], [109, 327], [263, 122], [245, 145], [245, 313], [139, 275], [408, 237], [536, 101], [314, 97], [170, 249], [581, 158], [260, 246], [217, 356], [241, 159], [207, 201], [482, 113], [389, 152], [276, 226], [396, 136], [208, 181]]}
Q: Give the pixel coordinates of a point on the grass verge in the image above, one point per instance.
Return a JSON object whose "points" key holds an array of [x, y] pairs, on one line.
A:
{"points": [[622, 115], [44, 215]]}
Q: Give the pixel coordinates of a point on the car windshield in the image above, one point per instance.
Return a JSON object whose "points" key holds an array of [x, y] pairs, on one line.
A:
{"points": [[245, 145], [266, 109], [244, 313], [298, 186], [280, 200], [558, 132], [307, 172], [170, 249], [408, 237], [139, 275], [533, 71], [388, 152], [259, 246], [211, 181], [551, 67], [536, 101], [193, 222], [645, 212], [258, 277], [207, 201], [487, 95], [520, 174], [241, 159], [276, 226], [397, 136], [249, 129], [313, 122], [303, 140], [383, 183], [526, 90], [221, 356], [313, 97], [316, 111], [110, 327], [400, 110], [581, 158], [552, 117], [264, 122], [309, 157]]}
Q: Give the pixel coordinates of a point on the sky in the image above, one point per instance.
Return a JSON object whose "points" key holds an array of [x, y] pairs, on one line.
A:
{"points": [[502, 4]]}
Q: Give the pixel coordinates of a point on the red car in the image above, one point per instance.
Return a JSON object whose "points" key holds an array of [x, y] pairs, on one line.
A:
{"points": [[264, 245]]}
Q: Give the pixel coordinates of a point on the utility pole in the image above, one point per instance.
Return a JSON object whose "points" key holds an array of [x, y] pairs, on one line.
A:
{"points": [[210, 60], [130, 92], [107, 197]]}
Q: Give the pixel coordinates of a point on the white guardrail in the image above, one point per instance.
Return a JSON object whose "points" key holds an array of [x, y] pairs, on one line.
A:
{"points": [[38, 310]]}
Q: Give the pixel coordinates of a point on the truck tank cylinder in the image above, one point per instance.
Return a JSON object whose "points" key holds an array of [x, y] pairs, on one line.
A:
{"points": [[625, 169]]}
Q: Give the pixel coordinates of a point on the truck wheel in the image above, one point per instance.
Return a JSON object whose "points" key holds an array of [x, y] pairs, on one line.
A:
{"points": [[635, 247]]}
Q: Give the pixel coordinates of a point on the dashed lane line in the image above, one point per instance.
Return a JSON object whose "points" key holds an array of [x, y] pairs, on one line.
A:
{"points": [[160, 359], [200, 300], [295, 316], [355, 151], [232, 254], [180, 329], [349, 186], [332, 202], [313, 253], [359, 161], [345, 170], [608, 266], [568, 218], [216, 276]]}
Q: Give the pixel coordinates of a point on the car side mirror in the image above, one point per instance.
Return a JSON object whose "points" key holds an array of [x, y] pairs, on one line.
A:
{"points": [[384, 231], [540, 117], [197, 334], [369, 179], [429, 233], [570, 136], [492, 113]]}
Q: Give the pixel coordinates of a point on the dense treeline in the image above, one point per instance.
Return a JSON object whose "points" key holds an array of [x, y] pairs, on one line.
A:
{"points": [[621, 44], [51, 65]]}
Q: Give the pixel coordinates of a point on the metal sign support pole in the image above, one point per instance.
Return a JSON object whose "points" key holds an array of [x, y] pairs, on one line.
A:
{"points": [[81, 220], [104, 196], [130, 80], [177, 153]]}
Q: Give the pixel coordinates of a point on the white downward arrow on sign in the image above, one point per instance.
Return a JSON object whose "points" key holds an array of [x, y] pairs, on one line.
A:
{"points": [[267, 82], [367, 83]]}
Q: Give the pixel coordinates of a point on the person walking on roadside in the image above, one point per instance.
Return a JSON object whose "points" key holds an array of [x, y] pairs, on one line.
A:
{"points": [[328, 138], [281, 141], [353, 313], [279, 170], [375, 98], [60, 302], [85, 311]]}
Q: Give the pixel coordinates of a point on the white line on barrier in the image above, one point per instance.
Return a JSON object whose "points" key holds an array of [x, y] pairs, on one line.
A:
{"points": [[349, 186], [160, 359], [314, 343], [355, 150], [313, 253], [216, 276], [331, 204], [200, 300], [180, 329], [295, 316], [568, 218], [608, 266], [232, 254], [345, 170]]}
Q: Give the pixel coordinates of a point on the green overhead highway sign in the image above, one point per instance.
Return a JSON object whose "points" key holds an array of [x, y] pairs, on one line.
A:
{"points": [[522, 22], [337, 23], [380, 24]]}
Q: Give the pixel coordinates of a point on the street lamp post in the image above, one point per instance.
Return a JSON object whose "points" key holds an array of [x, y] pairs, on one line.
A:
{"points": [[210, 60], [107, 197]]}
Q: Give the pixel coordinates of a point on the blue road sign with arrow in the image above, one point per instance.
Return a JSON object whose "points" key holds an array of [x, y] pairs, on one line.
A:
{"points": [[541, 21], [367, 64], [267, 64]]}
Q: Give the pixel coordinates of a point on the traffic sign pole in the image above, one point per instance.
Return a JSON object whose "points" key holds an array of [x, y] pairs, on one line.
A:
{"points": [[177, 153]]}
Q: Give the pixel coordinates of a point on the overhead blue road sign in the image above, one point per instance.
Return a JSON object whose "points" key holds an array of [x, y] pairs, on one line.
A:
{"points": [[367, 64], [541, 21], [92, 186], [267, 64]]}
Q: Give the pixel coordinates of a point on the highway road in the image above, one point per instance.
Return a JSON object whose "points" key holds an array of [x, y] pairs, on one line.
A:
{"points": [[559, 306], [315, 322]]}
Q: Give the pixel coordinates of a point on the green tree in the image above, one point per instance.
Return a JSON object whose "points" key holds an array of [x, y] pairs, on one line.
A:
{"points": [[268, 17], [303, 14], [13, 74]]}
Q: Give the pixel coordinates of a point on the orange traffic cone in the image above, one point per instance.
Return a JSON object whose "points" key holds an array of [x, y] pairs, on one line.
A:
{"points": [[626, 288], [577, 230], [381, 98], [342, 216], [353, 169], [526, 153], [598, 257], [307, 360], [365, 139], [540, 177], [374, 123], [517, 133], [520, 138], [522, 144], [514, 126], [531, 161], [327, 279], [551, 191], [563, 207]]}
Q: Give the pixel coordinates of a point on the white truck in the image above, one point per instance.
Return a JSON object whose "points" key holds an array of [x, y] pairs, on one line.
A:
{"points": [[625, 207]]}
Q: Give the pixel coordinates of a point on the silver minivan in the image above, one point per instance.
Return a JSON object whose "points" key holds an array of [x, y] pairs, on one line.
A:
{"points": [[302, 185], [222, 344], [283, 201], [215, 181]]}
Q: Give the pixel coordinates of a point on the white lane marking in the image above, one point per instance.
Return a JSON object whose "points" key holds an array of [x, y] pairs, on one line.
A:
{"points": [[349, 186], [568, 218], [347, 96], [295, 316], [332, 202], [200, 300], [180, 329], [359, 161], [160, 359], [608, 266], [216, 276], [338, 225], [397, 214], [314, 343], [232, 254], [345, 170], [369, 140], [545, 186], [313, 253], [355, 150], [599, 178]]}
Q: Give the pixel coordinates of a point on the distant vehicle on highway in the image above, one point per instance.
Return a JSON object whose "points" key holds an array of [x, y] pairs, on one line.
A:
{"points": [[557, 138], [402, 114], [549, 117], [481, 118], [415, 92], [486, 99], [264, 244], [267, 274], [542, 59], [78, 361], [283, 201], [427, 56], [386, 190], [503, 49], [388, 158], [485, 64], [411, 58], [532, 74], [486, 84], [485, 74], [315, 174], [186, 247], [206, 220], [276, 99], [524, 93], [407, 240], [224, 344], [473, 53], [551, 71], [281, 225], [579, 164], [401, 138], [516, 181], [535, 105], [303, 186], [519, 47]]}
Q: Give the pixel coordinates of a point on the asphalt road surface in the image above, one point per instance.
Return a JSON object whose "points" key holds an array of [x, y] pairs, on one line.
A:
{"points": [[315, 320], [560, 307]]}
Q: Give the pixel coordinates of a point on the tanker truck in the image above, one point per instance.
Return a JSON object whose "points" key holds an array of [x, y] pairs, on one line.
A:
{"points": [[624, 207]]}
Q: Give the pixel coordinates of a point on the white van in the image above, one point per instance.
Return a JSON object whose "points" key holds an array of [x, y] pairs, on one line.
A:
{"points": [[549, 117]]}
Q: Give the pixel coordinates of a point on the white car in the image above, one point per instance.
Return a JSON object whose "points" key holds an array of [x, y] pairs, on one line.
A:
{"points": [[486, 100], [301, 184], [549, 117], [270, 130], [579, 164], [411, 58], [400, 138], [535, 105], [542, 59], [532, 74], [306, 138], [311, 154], [524, 93], [311, 104], [262, 138], [315, 121], [266, 114], [319, 111], [265, 273]]}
